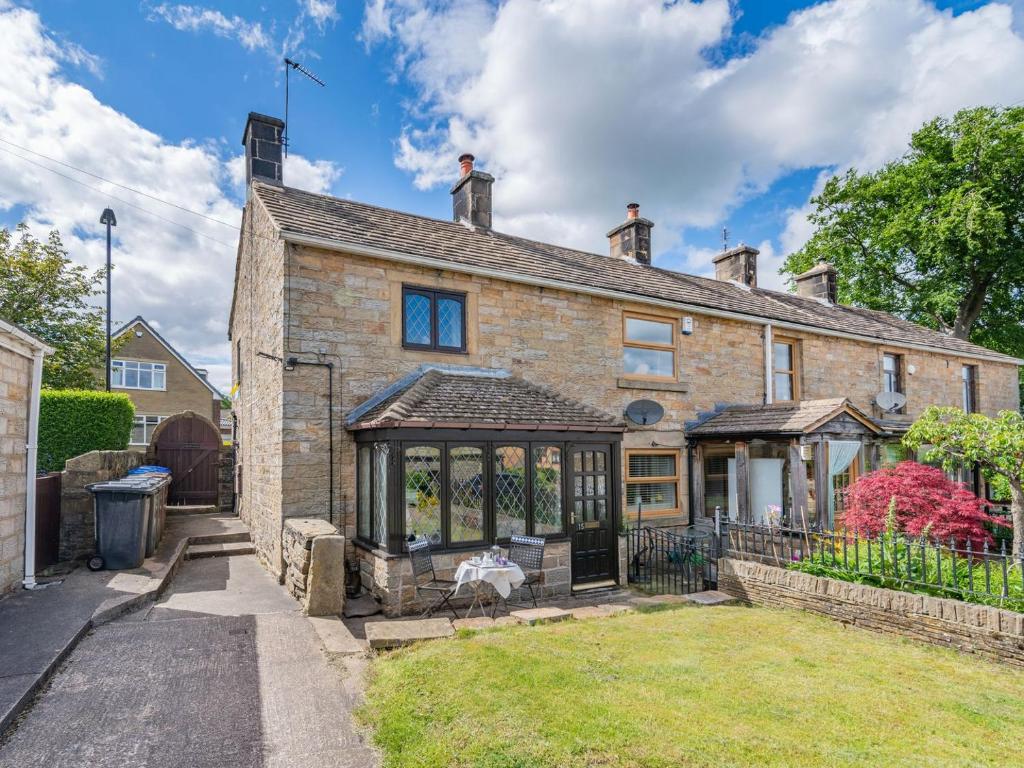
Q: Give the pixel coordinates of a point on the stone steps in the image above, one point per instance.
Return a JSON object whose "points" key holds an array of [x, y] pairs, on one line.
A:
{"points": [[195, 509], [221, 538], [196, 551]]}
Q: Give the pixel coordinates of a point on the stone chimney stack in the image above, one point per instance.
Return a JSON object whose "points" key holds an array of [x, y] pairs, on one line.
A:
{"points": [[262, 142], [819, 282], [631, 240], [471, 195], [738, 264]]}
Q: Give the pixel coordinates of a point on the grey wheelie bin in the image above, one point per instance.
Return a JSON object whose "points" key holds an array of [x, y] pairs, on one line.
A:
{"points": [[124, 509]]}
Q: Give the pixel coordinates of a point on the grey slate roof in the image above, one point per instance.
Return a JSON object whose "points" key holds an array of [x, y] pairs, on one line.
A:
{"points": [[789, 418], [347, 221], [447, 398]]}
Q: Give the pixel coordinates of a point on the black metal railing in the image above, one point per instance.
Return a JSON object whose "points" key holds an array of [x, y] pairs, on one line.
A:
{"points": [[672, 560], [962, 569]]}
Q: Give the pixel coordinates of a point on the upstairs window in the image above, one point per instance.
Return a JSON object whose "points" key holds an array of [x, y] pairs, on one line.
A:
{"points": [[434, 320], [785, 381], [892, 374], [649, 348], [969, 379], [132, 374]]}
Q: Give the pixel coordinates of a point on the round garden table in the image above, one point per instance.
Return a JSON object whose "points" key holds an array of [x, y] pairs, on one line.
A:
{"points": [[501, 578]]}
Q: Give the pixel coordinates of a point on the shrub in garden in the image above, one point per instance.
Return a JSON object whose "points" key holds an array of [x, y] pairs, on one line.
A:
{"points": [[73, 422], [922, 501]]}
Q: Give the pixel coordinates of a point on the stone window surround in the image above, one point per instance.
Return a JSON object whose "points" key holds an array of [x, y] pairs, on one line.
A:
{"points": [[629, 480], [672, 347], [435, 295], [793, 371]]}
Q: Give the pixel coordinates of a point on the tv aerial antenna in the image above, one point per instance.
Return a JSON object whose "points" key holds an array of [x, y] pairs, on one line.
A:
{"points": [[289, 65]]}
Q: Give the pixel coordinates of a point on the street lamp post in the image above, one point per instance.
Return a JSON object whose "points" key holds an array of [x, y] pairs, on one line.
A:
{"points": [[110, 220]]}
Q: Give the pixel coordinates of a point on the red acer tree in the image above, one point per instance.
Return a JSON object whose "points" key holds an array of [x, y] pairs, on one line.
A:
{"points": [[925, 502]]}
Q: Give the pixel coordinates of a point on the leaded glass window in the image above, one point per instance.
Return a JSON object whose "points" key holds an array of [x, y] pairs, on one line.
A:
{"points": [[465, 494], [381, 452], [422, 492], [509, 490], [364, 490], [548, 516], [433, 319]]}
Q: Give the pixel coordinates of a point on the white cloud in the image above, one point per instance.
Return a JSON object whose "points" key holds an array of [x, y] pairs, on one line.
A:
{"points": [[193, 18], [321, 12], [579, 107], [176, 277]]}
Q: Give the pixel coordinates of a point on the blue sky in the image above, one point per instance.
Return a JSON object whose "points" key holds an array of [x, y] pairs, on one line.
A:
{"points": [[709, 114]]}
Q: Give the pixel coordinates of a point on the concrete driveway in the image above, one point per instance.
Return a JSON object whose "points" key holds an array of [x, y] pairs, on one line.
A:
{"points": [[224, 671]]}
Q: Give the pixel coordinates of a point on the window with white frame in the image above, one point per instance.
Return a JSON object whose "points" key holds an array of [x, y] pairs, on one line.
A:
{"points": [[142, 429], [133, 374]]}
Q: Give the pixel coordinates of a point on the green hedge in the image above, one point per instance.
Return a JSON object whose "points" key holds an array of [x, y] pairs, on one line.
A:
{"points": [[76, 421]]}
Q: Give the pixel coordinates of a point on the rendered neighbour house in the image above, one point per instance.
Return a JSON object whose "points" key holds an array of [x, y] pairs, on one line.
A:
{"points": [[21, 370], [158, 380], [403, 376]]}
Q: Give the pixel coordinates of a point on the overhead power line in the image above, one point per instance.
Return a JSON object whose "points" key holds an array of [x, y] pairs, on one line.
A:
{"points": [[122, 200], [115, 183]]}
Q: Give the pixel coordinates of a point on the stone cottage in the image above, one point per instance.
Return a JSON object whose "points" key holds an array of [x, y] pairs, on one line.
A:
{"points": [[404, 376], [21, 371]]}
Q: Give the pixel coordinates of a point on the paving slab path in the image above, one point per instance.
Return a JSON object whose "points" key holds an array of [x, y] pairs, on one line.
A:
{"points": [[223, 671]]}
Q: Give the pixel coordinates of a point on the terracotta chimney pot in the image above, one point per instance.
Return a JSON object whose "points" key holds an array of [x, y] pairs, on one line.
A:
{"points": [[466, 164]]}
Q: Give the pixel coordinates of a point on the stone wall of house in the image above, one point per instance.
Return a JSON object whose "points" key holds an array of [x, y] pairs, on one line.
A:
{"points": [[15, 389], [347, 309], [77, 522], [257, 327], [226, 480], [389, 578], [981, 629]]}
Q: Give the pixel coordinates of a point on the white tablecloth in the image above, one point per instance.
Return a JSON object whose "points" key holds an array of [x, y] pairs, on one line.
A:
{"points": [[504, 578]]}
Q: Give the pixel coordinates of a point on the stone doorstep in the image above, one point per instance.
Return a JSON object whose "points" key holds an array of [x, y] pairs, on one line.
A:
{"points": [[196, 551], [533, 616], [394, 634], [336, 638], [658, 600], [711, 597]]}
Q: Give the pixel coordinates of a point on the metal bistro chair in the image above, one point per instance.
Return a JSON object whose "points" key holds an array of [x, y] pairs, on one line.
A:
{"points": [[423, 565], [528, 553]]}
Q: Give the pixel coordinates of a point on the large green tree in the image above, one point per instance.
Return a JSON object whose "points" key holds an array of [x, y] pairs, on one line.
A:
{"points": [[936, 236], [46, 294], [995, 444]]}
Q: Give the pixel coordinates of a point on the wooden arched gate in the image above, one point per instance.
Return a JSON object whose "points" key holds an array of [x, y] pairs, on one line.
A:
{"points": [[189, 445]]}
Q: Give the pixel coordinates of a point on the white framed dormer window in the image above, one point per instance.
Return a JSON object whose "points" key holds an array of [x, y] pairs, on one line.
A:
{"points": [[133, 374], [142, 429]]}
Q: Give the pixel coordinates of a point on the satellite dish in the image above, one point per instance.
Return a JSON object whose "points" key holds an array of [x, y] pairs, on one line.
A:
{"points": [[644, 412], [890, 401]]}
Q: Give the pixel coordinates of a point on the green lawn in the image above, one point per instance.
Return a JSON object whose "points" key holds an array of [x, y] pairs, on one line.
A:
{"points": [[692, 686]]}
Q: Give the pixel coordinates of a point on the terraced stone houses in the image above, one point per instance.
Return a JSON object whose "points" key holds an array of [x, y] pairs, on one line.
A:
{"points": [[404, 376]]}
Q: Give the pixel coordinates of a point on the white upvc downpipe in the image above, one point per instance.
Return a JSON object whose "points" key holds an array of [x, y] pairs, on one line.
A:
{"points": [[31, 451], [768, 364]]}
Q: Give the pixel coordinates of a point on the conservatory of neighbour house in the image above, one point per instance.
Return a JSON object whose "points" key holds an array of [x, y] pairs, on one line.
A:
{"points": [[783, 464], [465, 458]]}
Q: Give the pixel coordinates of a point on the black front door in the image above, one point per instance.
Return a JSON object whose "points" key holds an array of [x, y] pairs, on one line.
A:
{"points": [[592, 518]]}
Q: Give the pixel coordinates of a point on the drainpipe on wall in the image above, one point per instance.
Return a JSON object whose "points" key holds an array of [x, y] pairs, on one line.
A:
{"points": [[31, 451], [768, 364]]}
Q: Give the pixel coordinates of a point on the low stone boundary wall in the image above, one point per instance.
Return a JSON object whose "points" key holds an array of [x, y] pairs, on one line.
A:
{"points": [[314, 555], [77, 524], [968, 627]]}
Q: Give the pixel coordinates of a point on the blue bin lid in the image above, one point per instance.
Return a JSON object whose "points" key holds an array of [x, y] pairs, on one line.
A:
{"points": [[149, 469]]}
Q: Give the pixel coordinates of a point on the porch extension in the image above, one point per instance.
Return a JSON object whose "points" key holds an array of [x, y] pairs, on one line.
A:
{"points": [[468, 457]]}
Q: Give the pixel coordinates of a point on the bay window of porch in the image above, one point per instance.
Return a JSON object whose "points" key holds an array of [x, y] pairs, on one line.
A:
{"points": [[459, 494]]}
